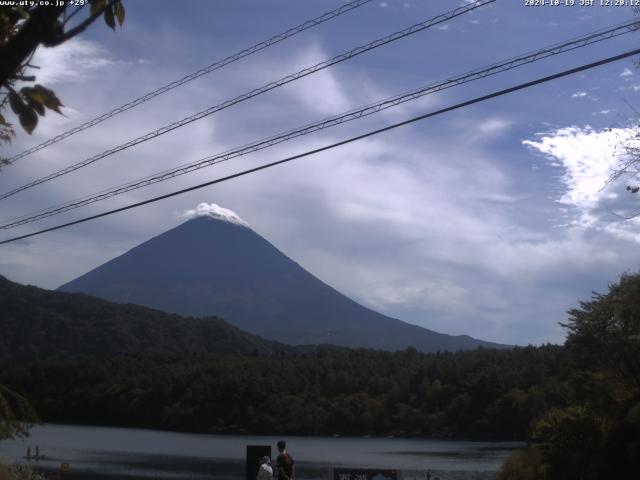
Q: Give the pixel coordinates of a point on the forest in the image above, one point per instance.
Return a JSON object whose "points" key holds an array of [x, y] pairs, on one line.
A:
{"points": [[489, 393]]}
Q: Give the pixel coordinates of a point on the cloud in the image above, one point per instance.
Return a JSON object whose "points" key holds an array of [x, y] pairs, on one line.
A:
{"points": [[493, 126], [586, 155], [75, 61], [579, 95], [587, 158], [215, 211], [626, 73], [322, 92]]}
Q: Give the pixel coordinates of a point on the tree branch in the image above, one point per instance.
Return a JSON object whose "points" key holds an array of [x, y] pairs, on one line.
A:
{"points": [[81, 27], [39, 26], [25, 78]]}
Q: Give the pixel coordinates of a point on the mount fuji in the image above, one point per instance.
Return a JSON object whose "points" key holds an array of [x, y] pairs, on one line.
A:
{"points": [[215, 265]]}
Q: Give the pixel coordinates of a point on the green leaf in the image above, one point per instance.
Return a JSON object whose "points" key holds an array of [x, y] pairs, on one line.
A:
{"points": [[53, 103], [42, 96], [96, 5], [16, 103], [28, 120], [119, 13], [109, 18], [38, 107]]}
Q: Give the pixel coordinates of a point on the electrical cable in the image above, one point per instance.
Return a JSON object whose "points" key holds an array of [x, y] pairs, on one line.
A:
{"points": [[514, 62], [258, 91], [197, 74], [467, 103]]}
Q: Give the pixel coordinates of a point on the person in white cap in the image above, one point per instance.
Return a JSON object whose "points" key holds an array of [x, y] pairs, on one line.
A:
{"points": [[265, 472]]}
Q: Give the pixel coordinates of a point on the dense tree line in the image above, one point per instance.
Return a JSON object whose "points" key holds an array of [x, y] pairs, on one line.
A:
{"points": [[597, 434], [489, 393]]}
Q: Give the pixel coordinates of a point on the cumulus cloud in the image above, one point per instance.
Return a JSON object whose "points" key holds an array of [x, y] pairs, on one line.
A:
{"points": [[588, 158], [626, 73], [579, 95], [215, 211]]}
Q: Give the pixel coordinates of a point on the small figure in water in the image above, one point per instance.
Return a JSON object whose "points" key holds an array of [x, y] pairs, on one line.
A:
{"points": [[428, 474], [265, 472], [37, 451], [28, 452]]}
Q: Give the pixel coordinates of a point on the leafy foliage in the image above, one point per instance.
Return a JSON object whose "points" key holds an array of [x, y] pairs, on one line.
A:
{"points": [[31, 102], [22, 30], [16, 414], [522, 465], [598, 434]]}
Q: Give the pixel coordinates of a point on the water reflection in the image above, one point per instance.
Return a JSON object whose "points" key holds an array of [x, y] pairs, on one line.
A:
{"points": [[111, 452]]}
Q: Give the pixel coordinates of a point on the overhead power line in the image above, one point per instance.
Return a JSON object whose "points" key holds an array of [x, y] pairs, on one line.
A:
{"points": [[258, 91], [199, 73], [503, 66], [483, 98]]}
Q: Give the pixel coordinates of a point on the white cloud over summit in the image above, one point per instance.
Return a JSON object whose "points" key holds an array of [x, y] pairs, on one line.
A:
{"points": [[215, 211]]}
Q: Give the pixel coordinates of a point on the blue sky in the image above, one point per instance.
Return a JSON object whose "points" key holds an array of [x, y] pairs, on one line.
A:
{"points": [[490, 220]]}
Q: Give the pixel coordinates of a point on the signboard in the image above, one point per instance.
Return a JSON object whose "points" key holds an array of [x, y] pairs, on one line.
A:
{"points": [[365, 474], [254, 454]]}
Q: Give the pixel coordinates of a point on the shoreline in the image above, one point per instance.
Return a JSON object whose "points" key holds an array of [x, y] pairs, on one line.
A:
{"points": [[322, 473], [442, 438]]}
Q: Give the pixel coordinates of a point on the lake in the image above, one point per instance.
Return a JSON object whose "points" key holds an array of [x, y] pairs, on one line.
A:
{"points": [[125, 452]]}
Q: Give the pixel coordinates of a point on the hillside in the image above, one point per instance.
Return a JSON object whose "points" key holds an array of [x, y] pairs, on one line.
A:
{"points": [[37, 323], [212, 266]]}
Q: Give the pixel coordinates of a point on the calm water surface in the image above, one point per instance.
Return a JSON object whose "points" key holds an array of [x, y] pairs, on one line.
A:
{"points": [[150, 453]]}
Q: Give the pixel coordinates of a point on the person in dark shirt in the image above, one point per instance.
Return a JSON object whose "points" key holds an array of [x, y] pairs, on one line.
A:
{"points": [[285, 462]]}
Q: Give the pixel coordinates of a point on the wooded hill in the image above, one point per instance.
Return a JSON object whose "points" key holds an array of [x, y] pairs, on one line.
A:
{"points": [[37, 323]]}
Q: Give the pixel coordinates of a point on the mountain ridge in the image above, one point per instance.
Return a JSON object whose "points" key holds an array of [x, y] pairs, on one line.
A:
{"points": [[211, 266]]}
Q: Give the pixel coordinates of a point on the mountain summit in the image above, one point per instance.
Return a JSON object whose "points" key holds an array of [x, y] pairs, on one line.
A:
{"points": [[214, 264]]}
